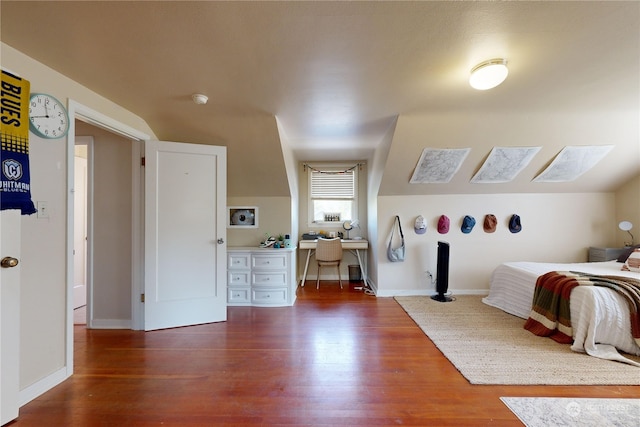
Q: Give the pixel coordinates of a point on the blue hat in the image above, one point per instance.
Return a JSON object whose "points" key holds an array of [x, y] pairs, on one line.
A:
{"points": [[467, 224], [514, 224]]}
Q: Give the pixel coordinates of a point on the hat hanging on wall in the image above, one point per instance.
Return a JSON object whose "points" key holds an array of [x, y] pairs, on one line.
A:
{"points": [[514, 224], [467, 224], [443, 224], [490, 223], [420, 226]]}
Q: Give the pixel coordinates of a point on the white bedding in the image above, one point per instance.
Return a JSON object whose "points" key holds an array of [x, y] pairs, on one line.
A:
{"points": [[599, 316]]}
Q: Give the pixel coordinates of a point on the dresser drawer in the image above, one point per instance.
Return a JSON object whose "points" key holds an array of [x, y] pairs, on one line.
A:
{"points": [[239, 278], [239, 261], [270, 261], [239, 295], [275, 278], [269, 296]]}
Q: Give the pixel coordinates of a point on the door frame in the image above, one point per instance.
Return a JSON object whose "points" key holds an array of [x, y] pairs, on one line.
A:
{"points": [[88, 115], [88, 141]]}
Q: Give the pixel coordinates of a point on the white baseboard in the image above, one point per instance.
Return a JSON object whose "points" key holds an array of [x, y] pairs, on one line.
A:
{"points": [[40, 387], [110, 324], [428, 292]]}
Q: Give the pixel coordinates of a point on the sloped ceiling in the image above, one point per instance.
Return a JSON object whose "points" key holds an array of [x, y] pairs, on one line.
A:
{"points": [[336, 76]]}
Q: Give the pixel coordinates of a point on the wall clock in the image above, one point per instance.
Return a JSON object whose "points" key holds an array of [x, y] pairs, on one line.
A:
{"points": [[48, 117]]}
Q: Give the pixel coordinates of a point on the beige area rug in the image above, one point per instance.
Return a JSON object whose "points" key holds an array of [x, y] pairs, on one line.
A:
{"points": [[571, 412], [489, 346]]}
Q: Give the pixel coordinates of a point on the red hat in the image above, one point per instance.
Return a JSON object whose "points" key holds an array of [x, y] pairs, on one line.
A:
{"points": [[443, 224]]}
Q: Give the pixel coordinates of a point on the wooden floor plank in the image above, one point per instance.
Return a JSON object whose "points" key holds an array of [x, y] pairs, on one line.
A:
{"points": [[336, 358]]}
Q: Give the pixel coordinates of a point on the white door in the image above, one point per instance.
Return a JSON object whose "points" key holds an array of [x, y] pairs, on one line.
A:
{"points": [[80, 232], [185, 233], [9, 314]]}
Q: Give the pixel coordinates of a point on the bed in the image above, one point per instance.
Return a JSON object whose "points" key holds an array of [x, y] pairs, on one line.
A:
{"points": [[599, 316]]}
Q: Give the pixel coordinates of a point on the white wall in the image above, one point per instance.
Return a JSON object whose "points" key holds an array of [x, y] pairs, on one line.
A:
{"points": [[274, 218], [555, 227], [43, 260], [628, 209], [44, 254], [376, 168]]}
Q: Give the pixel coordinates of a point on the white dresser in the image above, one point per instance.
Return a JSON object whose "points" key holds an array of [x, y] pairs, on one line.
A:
{"points": [[261, 276]]}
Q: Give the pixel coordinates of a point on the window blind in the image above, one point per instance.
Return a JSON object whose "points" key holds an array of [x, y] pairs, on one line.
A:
{"points": [[332, 185]]}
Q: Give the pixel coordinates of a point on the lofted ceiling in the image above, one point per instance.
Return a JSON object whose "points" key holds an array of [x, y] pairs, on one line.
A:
{"points": [[346, 80]]}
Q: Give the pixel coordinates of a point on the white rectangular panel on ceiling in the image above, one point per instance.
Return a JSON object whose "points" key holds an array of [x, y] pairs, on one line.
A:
{"points": [[503, 164], [438, 165], [572, 162]]}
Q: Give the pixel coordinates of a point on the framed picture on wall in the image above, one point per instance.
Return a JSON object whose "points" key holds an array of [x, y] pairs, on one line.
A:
{"points": [[242, 217]]}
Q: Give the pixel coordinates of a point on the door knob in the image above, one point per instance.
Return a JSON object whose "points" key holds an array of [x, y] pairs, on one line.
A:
{"points": [[8, 262], [220, 241]]}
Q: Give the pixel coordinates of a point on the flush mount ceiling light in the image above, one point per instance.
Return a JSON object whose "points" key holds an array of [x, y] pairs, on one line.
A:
{"points": [[488, 74], [199, 98]]}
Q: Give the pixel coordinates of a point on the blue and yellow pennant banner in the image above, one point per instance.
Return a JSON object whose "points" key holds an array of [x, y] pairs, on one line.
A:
{"points": [[15, 187]]}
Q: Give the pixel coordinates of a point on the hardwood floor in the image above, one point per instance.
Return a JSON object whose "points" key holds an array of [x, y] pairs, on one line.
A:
{"points": [[336, 358]]}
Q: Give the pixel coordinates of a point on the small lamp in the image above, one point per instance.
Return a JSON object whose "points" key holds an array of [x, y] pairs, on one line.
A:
{"points": [[350, 225], [626, 226], [488, 74]]}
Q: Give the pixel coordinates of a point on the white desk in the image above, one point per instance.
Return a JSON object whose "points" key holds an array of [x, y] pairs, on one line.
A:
{"points": [[353, 246]]}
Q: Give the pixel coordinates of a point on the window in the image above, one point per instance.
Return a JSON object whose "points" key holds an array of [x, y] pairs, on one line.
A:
{"points": [[333, 194]]}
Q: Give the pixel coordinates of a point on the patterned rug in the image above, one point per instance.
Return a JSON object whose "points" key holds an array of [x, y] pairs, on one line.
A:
{"points": [[569, 412], [489, 346]]}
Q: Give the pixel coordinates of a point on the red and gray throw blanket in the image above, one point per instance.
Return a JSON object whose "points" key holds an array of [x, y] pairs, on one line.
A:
{"points": [[550, 314]]}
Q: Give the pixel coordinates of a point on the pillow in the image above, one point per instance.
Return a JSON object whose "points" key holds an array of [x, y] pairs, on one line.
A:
{"points": [[624, 255], [633, 262]]}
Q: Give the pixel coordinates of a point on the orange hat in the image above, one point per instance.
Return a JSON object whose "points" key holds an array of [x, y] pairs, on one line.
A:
{"points": [[490, 223]]}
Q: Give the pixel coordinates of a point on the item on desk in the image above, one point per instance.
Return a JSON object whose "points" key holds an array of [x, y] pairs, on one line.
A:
{"points": [[350, 225]]}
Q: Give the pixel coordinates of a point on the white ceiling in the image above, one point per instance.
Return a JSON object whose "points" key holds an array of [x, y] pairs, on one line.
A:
{"points": [[332, 79]]}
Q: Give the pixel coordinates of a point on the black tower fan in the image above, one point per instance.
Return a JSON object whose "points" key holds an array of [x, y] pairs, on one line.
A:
{"points": [[442, 274]]}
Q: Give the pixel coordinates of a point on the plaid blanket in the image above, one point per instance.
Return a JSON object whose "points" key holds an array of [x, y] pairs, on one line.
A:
{"points": [[550, 313]]}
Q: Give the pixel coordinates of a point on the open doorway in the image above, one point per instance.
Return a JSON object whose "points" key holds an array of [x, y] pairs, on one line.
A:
{"points": [[103, 229]]}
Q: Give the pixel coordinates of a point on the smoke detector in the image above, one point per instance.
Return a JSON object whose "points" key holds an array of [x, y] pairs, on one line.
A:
{"points": [[199, 98]]}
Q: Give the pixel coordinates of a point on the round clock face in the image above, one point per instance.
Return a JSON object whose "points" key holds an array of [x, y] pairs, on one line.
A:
{"points": [[47, 116]]}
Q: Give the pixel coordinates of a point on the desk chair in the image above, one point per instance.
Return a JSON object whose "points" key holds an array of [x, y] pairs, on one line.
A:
{"points": [[328, 253]]}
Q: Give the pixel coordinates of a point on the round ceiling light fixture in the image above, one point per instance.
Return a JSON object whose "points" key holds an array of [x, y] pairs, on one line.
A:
{"points": [[199, 98], [488, 74]]}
